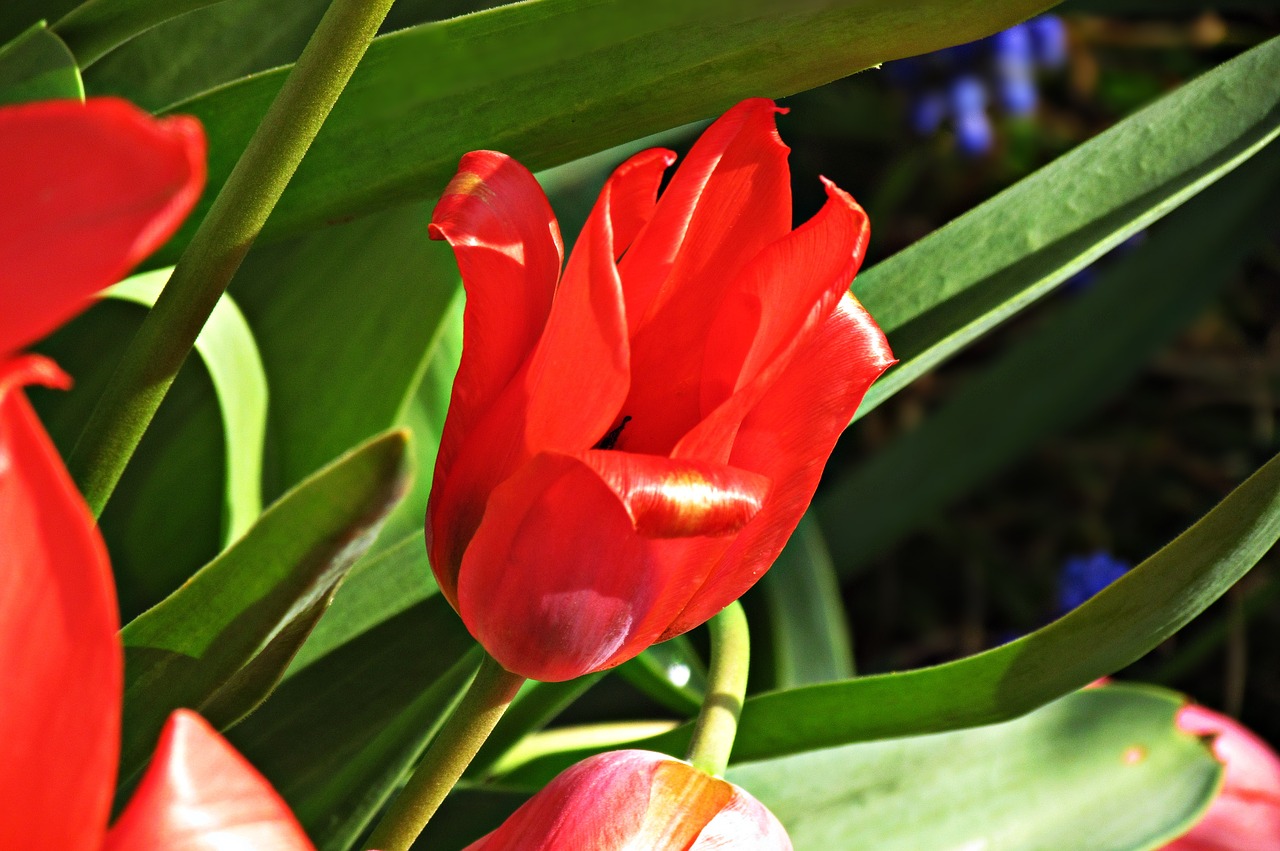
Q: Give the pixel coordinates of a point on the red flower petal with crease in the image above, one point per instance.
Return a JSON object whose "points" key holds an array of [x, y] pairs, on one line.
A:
{"points": [[200, 794], [652, 453], [568, 391], [637, 800], [89, 189], [729, 199], [788, 437], [60, 695], [663, 521], [507, 243]]}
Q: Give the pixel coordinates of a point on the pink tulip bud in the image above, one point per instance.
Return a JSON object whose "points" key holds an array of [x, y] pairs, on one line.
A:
{"points": [[637, 799]]}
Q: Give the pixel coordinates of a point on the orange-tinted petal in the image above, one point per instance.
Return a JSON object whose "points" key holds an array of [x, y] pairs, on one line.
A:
{"points": [[567, 394], [86, 191], [200, 794], [788, 437], [729, 199], [631, 800], [581, 562], [61, 658]]}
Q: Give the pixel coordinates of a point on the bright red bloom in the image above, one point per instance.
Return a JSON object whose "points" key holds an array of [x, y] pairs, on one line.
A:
{"points": [[637, 799], [1245, 816], [630, 443], [86, 190]]}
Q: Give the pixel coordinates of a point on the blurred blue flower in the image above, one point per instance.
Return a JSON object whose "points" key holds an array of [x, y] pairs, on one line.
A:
{"points": [[956, 85], [1083, 576]]}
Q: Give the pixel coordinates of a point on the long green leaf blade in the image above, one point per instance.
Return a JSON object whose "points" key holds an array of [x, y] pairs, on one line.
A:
{"points": [[1100, 770], [229, 352], [259, 597], [951, 287], [551, 80]]}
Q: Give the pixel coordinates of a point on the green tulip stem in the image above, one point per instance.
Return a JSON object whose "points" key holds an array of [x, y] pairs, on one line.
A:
{"points": [[448, 755], [162, 343], [726, 690]]}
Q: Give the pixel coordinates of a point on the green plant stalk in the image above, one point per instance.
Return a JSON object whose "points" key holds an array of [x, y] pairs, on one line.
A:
{"points": [[235, 219], [448, 755], [717, 724]]}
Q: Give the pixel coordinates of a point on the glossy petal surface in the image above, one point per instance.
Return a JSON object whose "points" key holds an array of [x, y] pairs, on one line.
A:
{"points": [[650, 456], [507, 243], [199, 794], [567, 393], [88, 190], [728, 200], [632, 800], [60, 695], [581, 562], [788, 437], [1246, 814]]}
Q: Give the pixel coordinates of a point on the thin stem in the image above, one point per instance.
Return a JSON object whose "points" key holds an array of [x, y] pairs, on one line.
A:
{"points": [[726, 690], [234, 221], [448, 755]]}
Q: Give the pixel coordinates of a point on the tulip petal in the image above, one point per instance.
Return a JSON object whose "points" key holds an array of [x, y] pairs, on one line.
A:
{"points": [[788, 437], [61, 658], [569, 391], [1246, 813], [89, 190], [580, 562], [782, 296], [729, 199], [200, 794], [507, 243], [614, 802], [743, 823]]}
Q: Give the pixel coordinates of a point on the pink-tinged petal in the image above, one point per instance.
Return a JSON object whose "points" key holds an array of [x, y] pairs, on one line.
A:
{"points": [[783, 295], [581, 562], [87, 191], [61, 658], [1245, 816], [788, 437], [200, 794], [567, 394], [729, 199], [507, 243], [743, 823], [617, 801]]}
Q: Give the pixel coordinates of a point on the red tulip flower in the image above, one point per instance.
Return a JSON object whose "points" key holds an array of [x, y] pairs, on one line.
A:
{"points": [[631, 442], [86, 191], [637, 799], [1245, 816]]}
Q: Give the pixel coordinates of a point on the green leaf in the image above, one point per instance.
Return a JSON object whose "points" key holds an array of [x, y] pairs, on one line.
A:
{"points": [[230, 354], [1115, 628], [1099, 770], [37, 66], [213, 45], [379, 588], [551, 80], [259, 599], [810, 636], [671, 673], [97, 26], [372, 705], [1033, 390], [959, 282], [345, 320]]}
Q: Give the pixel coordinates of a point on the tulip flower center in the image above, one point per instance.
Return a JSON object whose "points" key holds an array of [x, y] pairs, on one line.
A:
{"points": [[610, 439]]}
